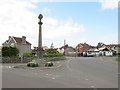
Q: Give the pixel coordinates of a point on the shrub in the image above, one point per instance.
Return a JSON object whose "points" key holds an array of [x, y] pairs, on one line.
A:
{"points": [[48, 64], [28, 55], [53, 55], [32, 64], [51, 51], [10, 51]]}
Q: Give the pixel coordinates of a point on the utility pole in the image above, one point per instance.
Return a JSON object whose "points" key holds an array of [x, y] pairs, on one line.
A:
{"points": [[40, 54]]}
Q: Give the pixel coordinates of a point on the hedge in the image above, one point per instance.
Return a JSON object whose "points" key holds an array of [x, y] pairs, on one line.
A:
{"points": [[10, 51], [53, 55], [28, 55]]}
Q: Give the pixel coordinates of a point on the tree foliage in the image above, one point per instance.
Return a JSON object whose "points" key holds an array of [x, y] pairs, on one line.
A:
{"points": [[10, 51], [51, 51], [28, 55], [100, 44]]}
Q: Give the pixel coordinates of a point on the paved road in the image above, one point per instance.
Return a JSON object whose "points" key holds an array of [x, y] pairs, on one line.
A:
{"points": [[75, 72]]}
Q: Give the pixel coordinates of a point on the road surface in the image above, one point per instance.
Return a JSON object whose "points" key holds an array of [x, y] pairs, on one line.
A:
{"points": [[75, 72]]}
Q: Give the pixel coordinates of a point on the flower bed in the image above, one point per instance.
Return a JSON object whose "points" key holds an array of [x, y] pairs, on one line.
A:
{"points": [[48, 64], [32, 64]]}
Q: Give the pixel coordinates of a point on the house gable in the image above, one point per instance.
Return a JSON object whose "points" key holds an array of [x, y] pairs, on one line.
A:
{"points": [[106, 49], [83, 47], [19, 40], [24, 47]]}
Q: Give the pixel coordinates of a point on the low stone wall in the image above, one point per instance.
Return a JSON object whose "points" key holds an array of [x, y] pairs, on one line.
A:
{"points": [[29, 59], [16, 60], [54, 58]]}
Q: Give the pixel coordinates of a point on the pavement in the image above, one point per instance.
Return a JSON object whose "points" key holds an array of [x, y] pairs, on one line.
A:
{"points": [[75, 72]]}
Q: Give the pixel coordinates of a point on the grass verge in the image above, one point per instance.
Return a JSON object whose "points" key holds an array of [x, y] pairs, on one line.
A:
{"points": [[118, 59], [20, 66]]}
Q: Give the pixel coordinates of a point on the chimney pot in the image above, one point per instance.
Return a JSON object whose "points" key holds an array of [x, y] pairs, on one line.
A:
{"points": [[9, 37], [23, 39]]}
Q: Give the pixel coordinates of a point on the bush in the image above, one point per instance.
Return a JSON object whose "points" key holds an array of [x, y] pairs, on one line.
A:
{"points": [[53, 55], [32, 64], [48, 64], [10, 51], [28, 55], [51, 51]]}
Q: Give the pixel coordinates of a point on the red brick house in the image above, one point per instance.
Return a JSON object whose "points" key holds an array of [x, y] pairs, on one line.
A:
{"points": [[67, 51], [82, 47]]}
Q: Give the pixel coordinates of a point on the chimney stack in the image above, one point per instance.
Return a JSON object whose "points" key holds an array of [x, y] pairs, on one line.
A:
{"points": [[9, 37], [23, 40]]}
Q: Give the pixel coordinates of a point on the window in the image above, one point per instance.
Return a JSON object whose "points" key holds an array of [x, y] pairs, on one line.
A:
{"points": [[12, 44]]}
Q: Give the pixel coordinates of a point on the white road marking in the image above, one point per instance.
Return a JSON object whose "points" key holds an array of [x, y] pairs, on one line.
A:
{"points": [[86, 79], [53, 77], [9, 67], [6, 66], [92, 86], [32, 68]]}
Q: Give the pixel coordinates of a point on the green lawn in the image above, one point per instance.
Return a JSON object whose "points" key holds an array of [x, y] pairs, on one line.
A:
{"points": [[118, 59]]}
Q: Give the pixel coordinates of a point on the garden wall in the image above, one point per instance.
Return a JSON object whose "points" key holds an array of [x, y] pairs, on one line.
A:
{"points": [[16, 60], [28, 59], [55, 58]]}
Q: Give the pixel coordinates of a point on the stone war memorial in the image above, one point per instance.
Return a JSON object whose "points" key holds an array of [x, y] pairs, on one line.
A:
{"points": [[39, 58], [40, 54], [40, 51]]}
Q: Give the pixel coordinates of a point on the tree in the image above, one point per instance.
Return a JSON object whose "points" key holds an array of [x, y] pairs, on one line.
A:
{"points": [[10, 51], [51, 51], [100, 44]]}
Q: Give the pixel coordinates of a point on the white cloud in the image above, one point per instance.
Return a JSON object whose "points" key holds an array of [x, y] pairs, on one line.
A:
{"points": [[34, 1], [16, 19], [46, 10], [109, 4], [54, 28]]}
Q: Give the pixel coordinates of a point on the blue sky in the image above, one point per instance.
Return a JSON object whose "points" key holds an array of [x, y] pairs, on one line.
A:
{"points": [[76, 22], [100, 24]]}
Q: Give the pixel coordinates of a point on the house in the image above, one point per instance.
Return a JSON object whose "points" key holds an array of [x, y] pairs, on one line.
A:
{"points": [[91, 52], [69, 51], [106, 52], [21, 43], [45, 47], [112, 49], [60, 50], [82, 47]]}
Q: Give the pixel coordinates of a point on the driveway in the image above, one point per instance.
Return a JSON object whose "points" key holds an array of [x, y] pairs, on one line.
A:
{"points": [[75, 72]]}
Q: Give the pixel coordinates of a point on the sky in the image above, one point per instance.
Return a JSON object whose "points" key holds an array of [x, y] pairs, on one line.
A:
{"points": [[76, 22]]}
